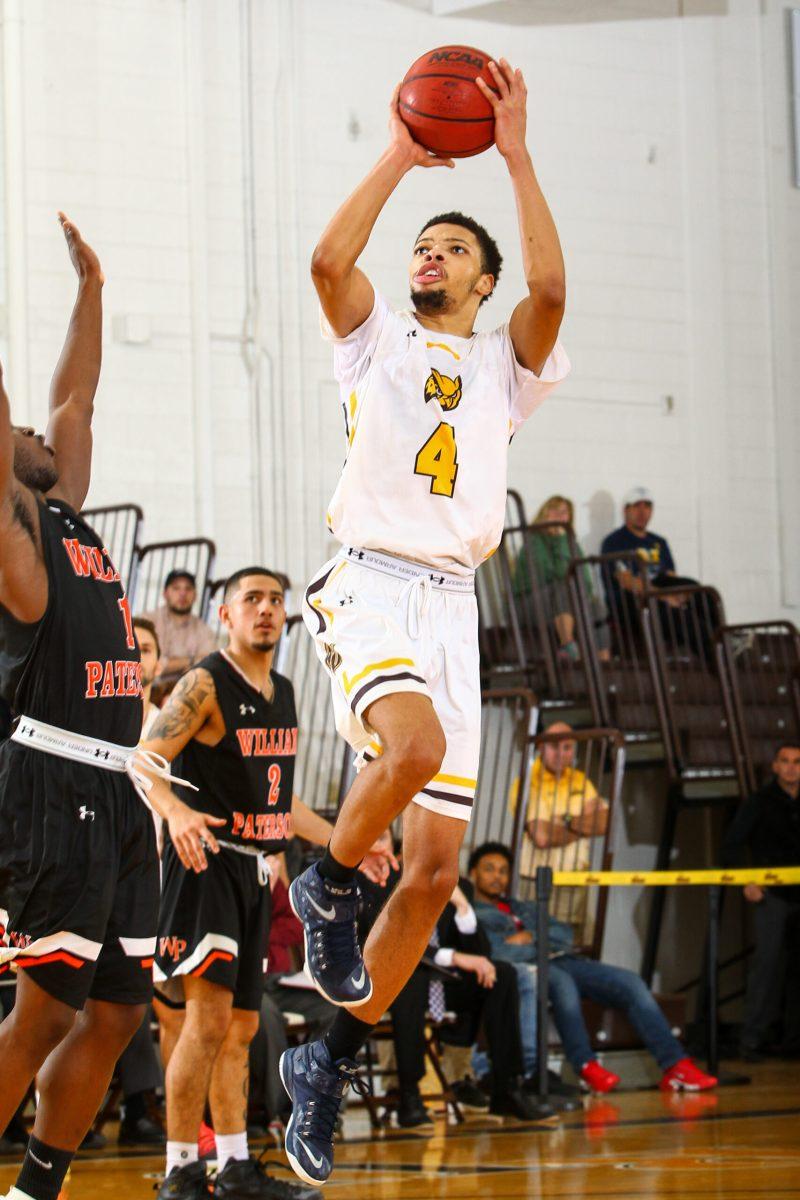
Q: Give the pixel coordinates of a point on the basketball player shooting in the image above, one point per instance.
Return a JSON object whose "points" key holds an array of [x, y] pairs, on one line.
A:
{"points": [[430, 407], [78, 862]]}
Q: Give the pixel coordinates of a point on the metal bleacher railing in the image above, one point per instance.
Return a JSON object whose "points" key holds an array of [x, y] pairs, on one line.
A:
{"points": [[119, 526], [527, 617], [155, 561], [760, 666]]}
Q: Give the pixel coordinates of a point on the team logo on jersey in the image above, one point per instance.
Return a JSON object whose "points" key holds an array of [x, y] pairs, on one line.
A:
{"points": [[444, 389], [333, 659]]}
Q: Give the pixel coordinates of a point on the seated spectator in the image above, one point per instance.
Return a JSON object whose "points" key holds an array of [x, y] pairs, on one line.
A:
{"points": [[564, 813], [455, 975], [548, 551], [767, 829], [183, 637], [511, 928], [623, 585]]}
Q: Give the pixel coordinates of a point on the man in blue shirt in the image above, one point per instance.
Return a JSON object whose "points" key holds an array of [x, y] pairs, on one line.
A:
{"points": [[511, 928], [685, 620]]}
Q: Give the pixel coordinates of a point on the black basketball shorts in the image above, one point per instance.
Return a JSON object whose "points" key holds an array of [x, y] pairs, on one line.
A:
{"points": [[213, 925], [79, 878]]}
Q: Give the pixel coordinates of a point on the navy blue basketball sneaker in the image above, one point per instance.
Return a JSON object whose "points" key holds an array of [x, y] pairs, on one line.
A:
{"points": [[328, 912], [315, 1085]]}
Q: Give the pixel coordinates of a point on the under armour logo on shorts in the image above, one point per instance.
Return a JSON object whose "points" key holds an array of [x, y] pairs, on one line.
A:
{"points": [[85, 813], [246, 708]]}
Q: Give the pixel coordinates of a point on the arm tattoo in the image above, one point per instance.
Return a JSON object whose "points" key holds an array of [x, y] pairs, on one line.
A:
{"points": [[181, 709]]}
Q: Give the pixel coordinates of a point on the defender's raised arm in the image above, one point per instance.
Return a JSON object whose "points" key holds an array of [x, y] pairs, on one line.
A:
{"points": [[77, 373], [536, 320], [345, 293]]}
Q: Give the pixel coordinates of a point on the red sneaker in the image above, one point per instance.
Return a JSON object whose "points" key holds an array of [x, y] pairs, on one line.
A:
{"points": [[206, 1142], [686, 1075], [597, 1078]]}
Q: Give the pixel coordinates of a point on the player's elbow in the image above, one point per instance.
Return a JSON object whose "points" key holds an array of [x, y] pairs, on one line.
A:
{"points": [[326, 265], [550, 293]]}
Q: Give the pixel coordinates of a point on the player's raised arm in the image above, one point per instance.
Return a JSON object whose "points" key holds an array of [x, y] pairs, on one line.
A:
{"points": [[536, 319], [345, 293], [74, 383]]}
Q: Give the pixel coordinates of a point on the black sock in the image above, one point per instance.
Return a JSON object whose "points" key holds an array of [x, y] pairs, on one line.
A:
{"points": [[43, 1170], [329, 868], [346, 1035]]}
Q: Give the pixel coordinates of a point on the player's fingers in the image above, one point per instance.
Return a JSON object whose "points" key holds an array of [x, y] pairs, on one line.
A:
{"points": [[500, 80], [489, 93], [431, 160], [509, 73], [392, 861], [394, 103]]}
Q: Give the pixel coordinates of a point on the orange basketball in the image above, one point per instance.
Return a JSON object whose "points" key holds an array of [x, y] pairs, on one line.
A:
{"points": [[442, 105]]}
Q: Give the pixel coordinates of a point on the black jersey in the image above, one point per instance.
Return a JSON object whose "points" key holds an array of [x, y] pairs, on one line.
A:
{"points": [[248, 776], [78, 667]]}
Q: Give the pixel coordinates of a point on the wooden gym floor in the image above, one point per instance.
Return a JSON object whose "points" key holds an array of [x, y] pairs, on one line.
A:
{"points": [[742, 1143]]}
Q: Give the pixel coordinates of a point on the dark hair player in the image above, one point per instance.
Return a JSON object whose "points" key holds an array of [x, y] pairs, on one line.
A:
{"points": [[78, 866]]}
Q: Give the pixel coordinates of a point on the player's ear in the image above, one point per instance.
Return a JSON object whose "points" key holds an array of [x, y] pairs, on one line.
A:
{"points": [[224, 616], [485, 285]]}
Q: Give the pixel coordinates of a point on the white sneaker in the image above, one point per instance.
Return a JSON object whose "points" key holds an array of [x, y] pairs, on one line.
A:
{"points": [[15, 1194]]}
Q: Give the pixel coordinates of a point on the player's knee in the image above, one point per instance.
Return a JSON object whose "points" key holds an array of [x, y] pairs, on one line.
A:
{"points": [[243, 1027], [435, 875], [414, 759], [210, 1022], [47, 1031]]}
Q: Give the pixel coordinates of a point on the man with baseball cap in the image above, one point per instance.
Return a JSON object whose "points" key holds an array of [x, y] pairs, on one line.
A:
{"points": [[622, 585], [184, 638]]}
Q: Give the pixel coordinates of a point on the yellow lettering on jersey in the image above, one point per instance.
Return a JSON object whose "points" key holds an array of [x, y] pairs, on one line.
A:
{"points": [[352, 433], [442, 346], [438, 458]]}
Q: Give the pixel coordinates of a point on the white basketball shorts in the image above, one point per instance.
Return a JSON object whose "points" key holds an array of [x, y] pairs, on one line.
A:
{"points": [[383, 625]]}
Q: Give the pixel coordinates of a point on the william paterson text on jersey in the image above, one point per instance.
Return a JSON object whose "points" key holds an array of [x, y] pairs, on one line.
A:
{"points": [[267, 743]]}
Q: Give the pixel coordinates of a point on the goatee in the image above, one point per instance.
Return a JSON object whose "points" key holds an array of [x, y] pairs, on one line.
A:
{"points": [[430, 302]]}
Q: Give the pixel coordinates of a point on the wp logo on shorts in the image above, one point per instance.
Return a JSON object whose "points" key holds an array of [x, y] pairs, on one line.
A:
{"points": [[171, 947]]}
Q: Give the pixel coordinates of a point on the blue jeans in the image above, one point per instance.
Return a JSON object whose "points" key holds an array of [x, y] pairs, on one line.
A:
{"points": [[526, 986], [573, 978]]}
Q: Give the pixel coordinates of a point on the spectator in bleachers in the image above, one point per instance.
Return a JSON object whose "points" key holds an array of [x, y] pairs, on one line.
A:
{"points": [[455, 975], [184, 638], [564, 813], [548, 551], [149, 654], [511, 928], [767, 829], [696, 627]]}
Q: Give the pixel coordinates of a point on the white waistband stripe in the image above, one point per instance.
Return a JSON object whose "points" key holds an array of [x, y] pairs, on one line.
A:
{"points": [[404, 568]]}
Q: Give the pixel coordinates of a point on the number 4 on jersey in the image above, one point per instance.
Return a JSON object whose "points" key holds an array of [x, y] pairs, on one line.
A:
{"points": [[439, 459]]}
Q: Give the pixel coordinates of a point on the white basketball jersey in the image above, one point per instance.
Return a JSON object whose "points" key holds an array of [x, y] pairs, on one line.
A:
{"points": [[428, 418]]}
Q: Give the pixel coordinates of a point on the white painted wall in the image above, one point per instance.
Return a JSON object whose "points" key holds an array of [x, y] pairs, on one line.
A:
{"points": [[203, 145]]}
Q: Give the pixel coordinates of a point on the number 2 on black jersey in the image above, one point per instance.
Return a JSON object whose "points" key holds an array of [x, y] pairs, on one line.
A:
{"points": [[438, 458]]}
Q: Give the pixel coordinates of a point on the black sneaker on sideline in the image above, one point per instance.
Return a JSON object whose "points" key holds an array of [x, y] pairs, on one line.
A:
{"points": [[515, 1103], [563, 1097], [141, 1132], [411, 1112], [470, 1096], [248, 1180], [186, 1183]]}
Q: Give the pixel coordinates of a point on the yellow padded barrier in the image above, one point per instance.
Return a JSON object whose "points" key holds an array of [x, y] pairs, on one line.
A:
{"points": [[763, 876]]}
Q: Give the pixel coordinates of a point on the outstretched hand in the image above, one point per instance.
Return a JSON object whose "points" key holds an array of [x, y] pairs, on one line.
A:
{"points": [[83, 257], [377, 864], [510, 104], [401, 139]]}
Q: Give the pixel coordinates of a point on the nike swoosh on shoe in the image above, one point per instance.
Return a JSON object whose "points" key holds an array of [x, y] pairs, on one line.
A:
{"points": [[316, 1161], [327, 914], [359, 982]]}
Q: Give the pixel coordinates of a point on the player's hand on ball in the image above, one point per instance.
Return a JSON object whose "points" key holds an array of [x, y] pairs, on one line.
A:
{"points": [[83, 257], [402, 141], [189, 831], [510, 104]]}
